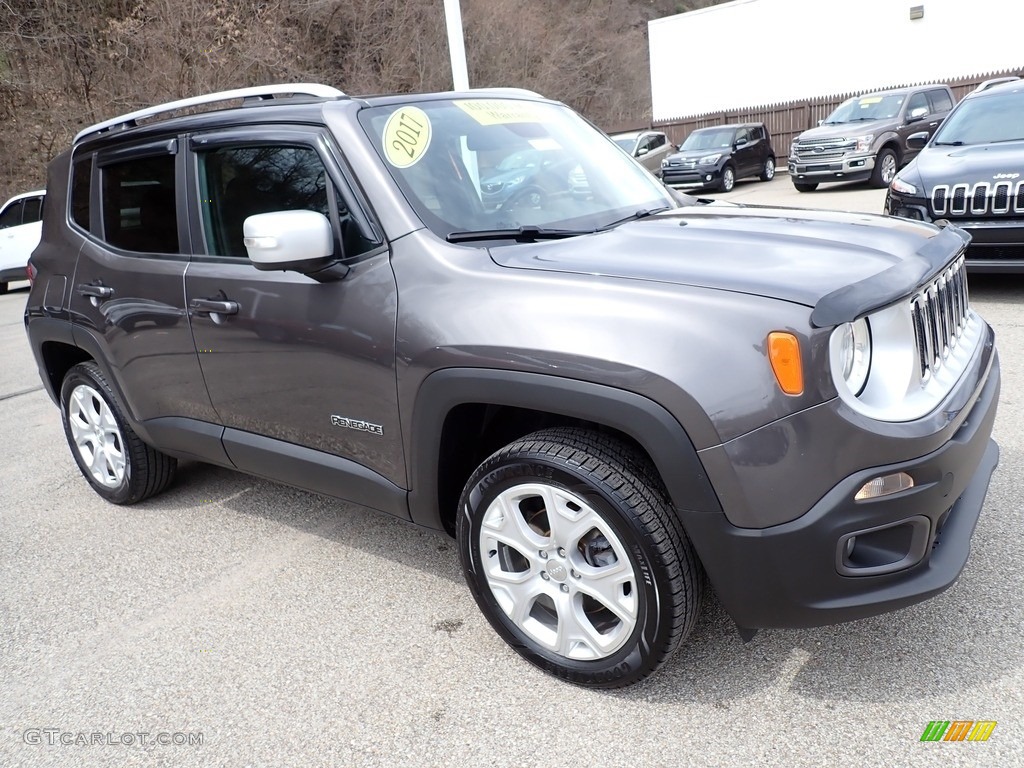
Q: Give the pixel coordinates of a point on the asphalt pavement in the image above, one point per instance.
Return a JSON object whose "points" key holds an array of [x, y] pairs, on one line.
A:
{"points": [[280, 628]]}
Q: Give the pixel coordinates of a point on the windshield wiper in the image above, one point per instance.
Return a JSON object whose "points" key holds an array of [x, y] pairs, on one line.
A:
{"points": [[519, 234], [643, 213], [948, 144]]}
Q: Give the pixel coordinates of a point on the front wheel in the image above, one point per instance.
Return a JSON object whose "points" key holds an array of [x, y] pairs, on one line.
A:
{"points": [[885, 169], [574, 554], [768, 171], [118, 465], [805, 186], [728, 179]]}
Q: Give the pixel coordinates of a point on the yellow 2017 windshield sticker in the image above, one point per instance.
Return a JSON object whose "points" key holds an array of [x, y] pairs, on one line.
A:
{"points": [[500, 111], [406, 136]]}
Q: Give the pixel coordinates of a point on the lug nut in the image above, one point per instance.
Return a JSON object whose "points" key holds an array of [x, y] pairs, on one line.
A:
{"points": [[575, 574], [561, 552], [565, 587], [544, 575], [543, 555]]}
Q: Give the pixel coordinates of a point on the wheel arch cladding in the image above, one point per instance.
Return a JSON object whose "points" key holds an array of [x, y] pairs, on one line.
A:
{"points": [[642, 420]]}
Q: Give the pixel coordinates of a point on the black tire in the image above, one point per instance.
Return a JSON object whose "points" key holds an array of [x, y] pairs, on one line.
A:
{"points": [[84, 395], [886, 165], [3, 288], [805, 186], [658, 581], [768, 171], [728, 180]]}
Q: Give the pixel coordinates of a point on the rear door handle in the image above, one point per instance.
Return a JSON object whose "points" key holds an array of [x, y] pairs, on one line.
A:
{"points": [[212, 306], [96, 290]]}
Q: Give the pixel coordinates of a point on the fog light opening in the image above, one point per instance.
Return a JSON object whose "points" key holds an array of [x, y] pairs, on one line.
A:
{"points": [[884, 486]]}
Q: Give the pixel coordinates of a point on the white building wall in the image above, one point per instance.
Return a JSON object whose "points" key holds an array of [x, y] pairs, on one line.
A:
{"points": [[751, 53]]}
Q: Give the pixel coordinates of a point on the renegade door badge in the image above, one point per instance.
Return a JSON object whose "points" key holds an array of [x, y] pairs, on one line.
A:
{"points": [[358, 424]]}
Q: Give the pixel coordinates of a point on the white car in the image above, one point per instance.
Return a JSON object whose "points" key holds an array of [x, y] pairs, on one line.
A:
{"points": [[20, 227]]}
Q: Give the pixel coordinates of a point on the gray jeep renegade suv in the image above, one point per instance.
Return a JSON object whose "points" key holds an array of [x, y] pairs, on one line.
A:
{"points": [[608, 400]]}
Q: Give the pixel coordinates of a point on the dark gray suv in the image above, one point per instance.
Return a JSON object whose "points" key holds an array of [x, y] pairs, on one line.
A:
{"points": [[608, 399]]}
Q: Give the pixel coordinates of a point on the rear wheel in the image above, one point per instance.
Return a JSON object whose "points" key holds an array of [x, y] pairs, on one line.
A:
{"points": [[118, 465], [574, 554], [768, 172], [805, 186], [3, 288]]}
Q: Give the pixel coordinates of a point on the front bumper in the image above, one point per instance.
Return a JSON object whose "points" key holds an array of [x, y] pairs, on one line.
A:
{"points": [[698, 176], [847, 168], [906, 547], [997, 244]]}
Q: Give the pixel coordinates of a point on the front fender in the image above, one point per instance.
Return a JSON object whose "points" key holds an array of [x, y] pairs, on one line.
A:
{"points": [[644, 420]]}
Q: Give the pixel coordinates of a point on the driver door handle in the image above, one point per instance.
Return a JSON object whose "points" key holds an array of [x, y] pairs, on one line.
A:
{"points": [[214, 306]]}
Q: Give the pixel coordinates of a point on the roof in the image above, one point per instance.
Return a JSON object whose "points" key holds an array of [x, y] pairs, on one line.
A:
{"points": [[22, 195]]}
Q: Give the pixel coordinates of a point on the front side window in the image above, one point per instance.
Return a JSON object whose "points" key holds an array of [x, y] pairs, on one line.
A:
{"points": [[467, 165], [241, 181], [11, 217], [917, 101], [139, 208]]}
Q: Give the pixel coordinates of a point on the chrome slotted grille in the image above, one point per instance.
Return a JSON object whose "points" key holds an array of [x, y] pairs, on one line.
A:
{"points": [[981, 199], [940, 312]]}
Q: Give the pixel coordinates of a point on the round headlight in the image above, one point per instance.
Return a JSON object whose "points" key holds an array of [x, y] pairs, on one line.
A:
{"points": [[853, 349]]}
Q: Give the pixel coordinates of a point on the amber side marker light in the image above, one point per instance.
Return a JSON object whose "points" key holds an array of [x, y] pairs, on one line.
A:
{"points": [[884, 485], [784, 354]]}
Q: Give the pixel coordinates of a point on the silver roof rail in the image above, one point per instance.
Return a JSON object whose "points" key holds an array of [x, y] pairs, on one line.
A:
{"points": [[995, 81], [256, 92]]}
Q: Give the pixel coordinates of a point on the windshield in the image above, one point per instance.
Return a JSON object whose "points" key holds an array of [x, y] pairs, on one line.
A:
{"points": [[708, 138], [626, 143], [983, 120], [470, 165], [866, 108]]}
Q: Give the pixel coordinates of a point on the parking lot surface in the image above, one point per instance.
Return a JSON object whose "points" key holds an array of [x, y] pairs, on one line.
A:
{"points": [[286, 628]]}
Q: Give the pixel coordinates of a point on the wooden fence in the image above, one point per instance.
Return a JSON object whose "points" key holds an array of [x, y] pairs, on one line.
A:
{"points": [[787, 121]]}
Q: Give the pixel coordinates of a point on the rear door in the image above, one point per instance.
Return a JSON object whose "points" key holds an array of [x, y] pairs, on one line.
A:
{"points": [[302, 373], [127, 297]]}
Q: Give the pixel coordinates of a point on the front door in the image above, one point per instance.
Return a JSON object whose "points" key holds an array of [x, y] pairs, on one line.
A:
{"points": [[298, 370]]}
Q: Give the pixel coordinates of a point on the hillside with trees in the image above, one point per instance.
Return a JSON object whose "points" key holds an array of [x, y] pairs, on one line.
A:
{"points": [[65, 64]]}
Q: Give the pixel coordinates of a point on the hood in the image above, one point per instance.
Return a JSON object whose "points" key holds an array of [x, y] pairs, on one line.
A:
{"points": [[796, 255], [848, 130], [970, 165], [697, 154]]}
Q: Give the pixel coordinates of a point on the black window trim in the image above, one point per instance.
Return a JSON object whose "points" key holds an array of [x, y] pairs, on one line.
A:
{"points": [[316, 138], [101, 157]]}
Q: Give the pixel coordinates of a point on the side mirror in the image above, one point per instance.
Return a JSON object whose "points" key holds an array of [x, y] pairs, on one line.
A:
{"points": [[299, 241], [642, 151], [740, 142], [917, 140], [920, 113]]}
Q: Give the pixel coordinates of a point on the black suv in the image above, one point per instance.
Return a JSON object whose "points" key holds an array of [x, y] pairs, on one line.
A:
{"points": [[972, 173], [606, 398], [716, 157]]}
